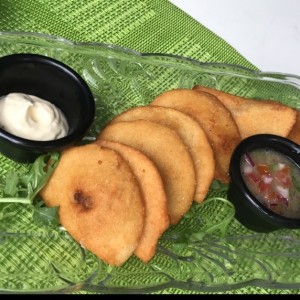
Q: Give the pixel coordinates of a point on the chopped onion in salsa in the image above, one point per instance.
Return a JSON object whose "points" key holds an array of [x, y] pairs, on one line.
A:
{"points": [[274, 180]]}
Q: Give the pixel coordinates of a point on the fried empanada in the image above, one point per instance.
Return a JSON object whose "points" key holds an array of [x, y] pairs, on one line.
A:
{"points": [[192, 135], [256, 116], [100, 201], [294, 134], [152, 187], [216, 120], [168, 152]]}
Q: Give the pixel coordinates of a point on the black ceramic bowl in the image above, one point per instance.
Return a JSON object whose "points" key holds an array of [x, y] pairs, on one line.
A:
{"points": [[55, 82], [249, 211]]}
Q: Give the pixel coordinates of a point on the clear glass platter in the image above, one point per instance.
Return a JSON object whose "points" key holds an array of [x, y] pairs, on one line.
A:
{"points": [[208, 251]]}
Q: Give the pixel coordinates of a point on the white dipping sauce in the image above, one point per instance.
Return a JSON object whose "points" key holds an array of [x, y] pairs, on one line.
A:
{"points": [[32, 118]]}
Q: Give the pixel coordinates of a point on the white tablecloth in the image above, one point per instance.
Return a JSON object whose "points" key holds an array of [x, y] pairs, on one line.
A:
{"points": [[266, 32]]}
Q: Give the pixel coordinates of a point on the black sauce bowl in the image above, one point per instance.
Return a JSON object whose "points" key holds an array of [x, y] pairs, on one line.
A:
{"points": [[55, 82], [249, 211]]}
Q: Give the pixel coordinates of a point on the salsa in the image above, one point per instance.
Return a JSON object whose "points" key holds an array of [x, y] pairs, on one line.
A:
{"points": [[274, 179]]}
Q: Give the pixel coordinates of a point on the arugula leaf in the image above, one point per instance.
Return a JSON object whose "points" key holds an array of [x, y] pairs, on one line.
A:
{"points": [[12, 180], [218, 185], [25, 188], [39, 173], [45, 215]]}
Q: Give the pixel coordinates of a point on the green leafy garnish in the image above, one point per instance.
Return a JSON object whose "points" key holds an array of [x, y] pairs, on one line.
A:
{"points": [[45, 215], [218, 185], [25, 188]]}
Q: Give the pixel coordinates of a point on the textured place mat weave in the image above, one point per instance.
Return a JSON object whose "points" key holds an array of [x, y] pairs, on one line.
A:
{"points": [[154, 26], [146, 26]]}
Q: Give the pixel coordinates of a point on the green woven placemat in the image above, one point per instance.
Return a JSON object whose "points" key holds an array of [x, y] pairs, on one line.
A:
{"points": [[154, 26], [146, 26]]}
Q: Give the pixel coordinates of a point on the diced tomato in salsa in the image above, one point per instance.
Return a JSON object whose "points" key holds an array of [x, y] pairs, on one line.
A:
{"points": [[264, 187], [254, 177], [271, 178], [263, 169], [283, 177]]}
